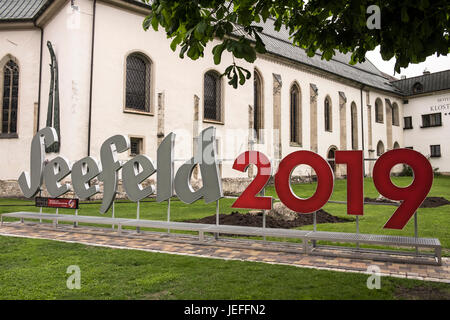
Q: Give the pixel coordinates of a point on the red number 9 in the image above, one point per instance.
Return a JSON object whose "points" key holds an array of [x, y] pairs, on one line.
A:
{"points": [[414, 194]]}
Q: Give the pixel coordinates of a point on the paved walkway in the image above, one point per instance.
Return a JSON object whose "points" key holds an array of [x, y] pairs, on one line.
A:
{"points": [[245, 250]]}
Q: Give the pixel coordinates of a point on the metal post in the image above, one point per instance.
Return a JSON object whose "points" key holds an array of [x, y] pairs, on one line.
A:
{"points": [[216, 235], [138, 229], [75, 224], [314, 226], [113, 214], [57, 212], [263, 191], [357, 230], [416, 232], [168, 213], [40, 195]]}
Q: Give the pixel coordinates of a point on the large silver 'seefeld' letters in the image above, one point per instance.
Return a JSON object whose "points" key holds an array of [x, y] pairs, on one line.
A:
{"points": [[134, 171], [132, 177], [30, 183], [164, 175], [205, 157], [83, 171], [56, 170], [111, 166]]}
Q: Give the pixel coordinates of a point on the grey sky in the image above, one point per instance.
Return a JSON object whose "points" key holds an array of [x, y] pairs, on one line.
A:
{"points": [[432, 64]]}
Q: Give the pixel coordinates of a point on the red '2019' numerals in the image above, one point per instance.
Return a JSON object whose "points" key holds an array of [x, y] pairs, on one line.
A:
{"points": [[411, 196]]}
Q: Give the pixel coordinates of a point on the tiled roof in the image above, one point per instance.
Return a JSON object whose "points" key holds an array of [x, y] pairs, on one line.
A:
{"points": [[425, 83], [22, 10], [278, 43]]}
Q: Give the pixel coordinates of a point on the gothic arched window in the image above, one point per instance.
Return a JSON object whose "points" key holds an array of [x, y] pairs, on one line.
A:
{"points": [[380, 148], [296, 114], [328, 114], [258, 112], [10, 97], [354, 124], [395, 115], [379, 111]]}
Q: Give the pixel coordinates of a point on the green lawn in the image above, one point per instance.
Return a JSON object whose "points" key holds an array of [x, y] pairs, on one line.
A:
{"points": [[36, 269]]}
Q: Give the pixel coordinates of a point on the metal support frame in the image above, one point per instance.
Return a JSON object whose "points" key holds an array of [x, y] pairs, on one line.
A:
{"points": [[314, 243], [216, 235], [416, 232], [357, 230], [168, 213], [75, 224], [138, 212], [263, 193]]}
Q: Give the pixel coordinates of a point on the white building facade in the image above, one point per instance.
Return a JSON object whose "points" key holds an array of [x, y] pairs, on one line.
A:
{"points": [[115, 78]]}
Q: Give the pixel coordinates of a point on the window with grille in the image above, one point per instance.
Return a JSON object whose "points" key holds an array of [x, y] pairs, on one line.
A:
{"points": [[407, 122], [327, 113], [10, 98], [212, 96], [138, 83], [295, 136], [136, 145], [431, 120], [435, 151], [378, 111]]}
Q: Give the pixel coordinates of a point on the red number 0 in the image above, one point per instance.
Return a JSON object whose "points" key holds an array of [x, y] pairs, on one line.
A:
{"points": [[325, 181], [248, 199], [414, 194]]}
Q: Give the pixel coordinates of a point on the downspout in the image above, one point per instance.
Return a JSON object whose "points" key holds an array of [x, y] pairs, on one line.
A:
{"points": [[40, 76], [91, 79], [362, 129]]}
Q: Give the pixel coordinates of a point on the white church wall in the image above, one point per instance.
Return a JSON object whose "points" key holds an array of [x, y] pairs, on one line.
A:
{"points": [[22, 45], [70, 34]]}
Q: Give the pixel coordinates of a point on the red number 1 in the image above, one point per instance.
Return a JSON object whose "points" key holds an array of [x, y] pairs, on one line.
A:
{"points": [[355, 183]]}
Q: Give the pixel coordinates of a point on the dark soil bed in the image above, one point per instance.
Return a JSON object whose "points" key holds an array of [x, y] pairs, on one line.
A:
{"points": [[255, 220], [430, 202]]}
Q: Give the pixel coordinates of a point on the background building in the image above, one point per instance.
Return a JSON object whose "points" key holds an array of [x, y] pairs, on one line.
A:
{"points": [[116, 78]]}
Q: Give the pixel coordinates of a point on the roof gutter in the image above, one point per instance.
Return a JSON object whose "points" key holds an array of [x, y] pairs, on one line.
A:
{"points": [[40, 76], [94, 6]]}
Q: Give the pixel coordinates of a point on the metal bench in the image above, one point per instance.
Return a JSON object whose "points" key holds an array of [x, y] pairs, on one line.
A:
{"points": [[62, 217], [304, 235], [387, 240]]}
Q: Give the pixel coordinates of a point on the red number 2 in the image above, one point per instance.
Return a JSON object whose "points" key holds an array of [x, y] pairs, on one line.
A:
{"points": [[414, 194], [248, 198]]}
